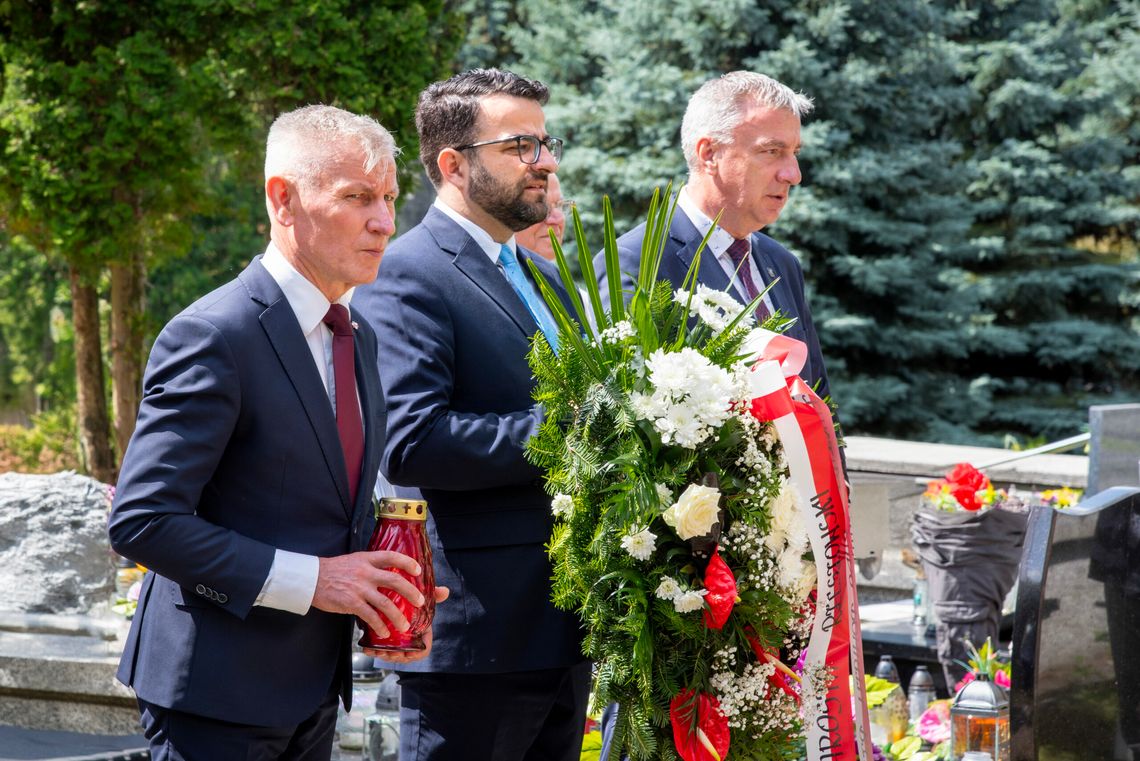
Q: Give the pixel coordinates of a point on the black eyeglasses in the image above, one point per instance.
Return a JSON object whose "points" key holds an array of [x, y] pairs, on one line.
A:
{"points": [[529, 147]]}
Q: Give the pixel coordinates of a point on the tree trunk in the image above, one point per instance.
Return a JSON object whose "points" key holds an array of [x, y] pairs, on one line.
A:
{"points": [[126, 347], [94, 428]]}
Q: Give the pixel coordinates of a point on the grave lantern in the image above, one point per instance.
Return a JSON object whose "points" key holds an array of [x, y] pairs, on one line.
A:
{"points": [[979, 720]]}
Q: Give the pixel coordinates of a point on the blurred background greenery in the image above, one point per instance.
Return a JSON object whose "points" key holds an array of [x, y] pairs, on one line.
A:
{"points": [[967, 221]]}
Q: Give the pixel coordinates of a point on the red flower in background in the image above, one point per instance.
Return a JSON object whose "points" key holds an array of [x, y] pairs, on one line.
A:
{"points": [[965, 481], [721, 586], [699, 737]]}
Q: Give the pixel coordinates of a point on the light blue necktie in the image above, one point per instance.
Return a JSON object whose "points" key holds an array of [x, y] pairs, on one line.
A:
{"points": [[527, 292]]}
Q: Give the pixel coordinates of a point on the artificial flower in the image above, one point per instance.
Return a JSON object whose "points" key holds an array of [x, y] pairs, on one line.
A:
{"points": [[934, 723]]}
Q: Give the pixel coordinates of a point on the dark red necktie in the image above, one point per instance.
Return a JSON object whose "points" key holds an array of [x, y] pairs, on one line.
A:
{"points": [[738, 253], [348, 423]]}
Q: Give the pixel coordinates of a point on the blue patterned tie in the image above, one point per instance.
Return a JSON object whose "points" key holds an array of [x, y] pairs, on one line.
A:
{"points": [[529, 295]]}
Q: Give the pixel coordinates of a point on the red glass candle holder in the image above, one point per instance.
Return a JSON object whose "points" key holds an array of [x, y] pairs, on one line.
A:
{"points": [[401, 526]]}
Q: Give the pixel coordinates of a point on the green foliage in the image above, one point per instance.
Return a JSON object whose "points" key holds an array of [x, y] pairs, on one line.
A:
{"points": [[131, 134], [49, 445], [614, 466], [968, 215]]}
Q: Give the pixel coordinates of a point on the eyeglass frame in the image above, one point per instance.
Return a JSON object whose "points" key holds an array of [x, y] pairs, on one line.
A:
{"points": [[547, 141]]}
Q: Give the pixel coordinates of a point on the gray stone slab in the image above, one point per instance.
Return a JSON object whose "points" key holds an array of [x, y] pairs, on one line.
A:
{"points": [[1114, 453]]}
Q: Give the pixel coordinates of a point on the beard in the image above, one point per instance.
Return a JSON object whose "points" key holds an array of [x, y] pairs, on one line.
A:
{"points": [[505, 202]]}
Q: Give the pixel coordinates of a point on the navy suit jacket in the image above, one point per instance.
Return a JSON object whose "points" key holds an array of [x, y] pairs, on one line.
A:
{"points": [[236, 454], [772, 259], [453, 342]]}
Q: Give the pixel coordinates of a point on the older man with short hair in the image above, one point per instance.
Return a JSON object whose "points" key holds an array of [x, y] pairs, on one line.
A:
{"points": [[246, 488], [537, 236], [740, 137]]}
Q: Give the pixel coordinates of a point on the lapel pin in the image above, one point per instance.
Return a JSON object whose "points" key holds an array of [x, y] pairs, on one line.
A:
{"points": [[355, 325], [771, 273]]}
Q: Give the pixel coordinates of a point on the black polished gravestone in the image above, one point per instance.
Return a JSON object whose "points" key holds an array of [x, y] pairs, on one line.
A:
{"points": [[1076, 637]]}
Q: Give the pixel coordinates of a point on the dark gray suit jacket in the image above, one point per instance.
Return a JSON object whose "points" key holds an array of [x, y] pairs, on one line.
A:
{"points": [[236, 454]]}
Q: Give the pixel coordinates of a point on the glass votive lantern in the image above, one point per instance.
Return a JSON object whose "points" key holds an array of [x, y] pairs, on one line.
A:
{"points": [[979, 721]]}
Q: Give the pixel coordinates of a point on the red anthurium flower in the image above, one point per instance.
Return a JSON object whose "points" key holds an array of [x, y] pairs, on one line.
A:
{"points": [[700, 730], [721, 586]]}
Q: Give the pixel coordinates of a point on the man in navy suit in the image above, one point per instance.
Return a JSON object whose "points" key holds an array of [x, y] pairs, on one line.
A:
{"points": [[246, 486], [740, 136], [455, 309]]}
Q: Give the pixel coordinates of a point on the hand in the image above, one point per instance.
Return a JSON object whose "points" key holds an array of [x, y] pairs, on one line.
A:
{"points": [[348, 584], [398, 656]]}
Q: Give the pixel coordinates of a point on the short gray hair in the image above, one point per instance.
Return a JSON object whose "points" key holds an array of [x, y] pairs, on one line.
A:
{"points": [[299, 141], [715, 109]]}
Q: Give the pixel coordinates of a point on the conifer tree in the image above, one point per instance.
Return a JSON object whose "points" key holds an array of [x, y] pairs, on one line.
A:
{"points": [[961, 222]]}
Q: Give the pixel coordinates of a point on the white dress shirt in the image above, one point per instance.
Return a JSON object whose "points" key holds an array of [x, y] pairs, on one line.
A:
{"points": [[718, 245], [292, 578]]}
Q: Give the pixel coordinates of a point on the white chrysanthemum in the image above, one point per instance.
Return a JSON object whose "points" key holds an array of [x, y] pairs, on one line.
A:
{"points": [[806, 582], [687, 602], [639, 542], [691, 397], [562, 505], [785, 509], [664, 494], [668, 589], [791, 567]]}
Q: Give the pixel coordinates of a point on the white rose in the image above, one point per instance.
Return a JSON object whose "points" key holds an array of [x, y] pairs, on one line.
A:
{"points": [[695, 512]]}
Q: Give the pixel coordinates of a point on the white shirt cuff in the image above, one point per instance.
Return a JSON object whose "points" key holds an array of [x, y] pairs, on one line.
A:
{"points": [[291, 583]]}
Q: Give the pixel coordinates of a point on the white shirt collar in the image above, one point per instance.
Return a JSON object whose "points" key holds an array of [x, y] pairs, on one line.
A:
{"points": [[720, 240], [308, 303], [481, 237]]}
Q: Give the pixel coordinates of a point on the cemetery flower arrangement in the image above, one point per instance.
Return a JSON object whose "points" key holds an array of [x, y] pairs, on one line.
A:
{"points": [[676, 537], [964, 488]]}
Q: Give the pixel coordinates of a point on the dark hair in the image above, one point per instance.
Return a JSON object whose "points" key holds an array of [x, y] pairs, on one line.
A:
{"points": [[447, 110]]}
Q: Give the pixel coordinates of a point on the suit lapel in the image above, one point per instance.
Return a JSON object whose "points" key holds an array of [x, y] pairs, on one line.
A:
{"points": [[474, 263], [769, 270], [280, 325], [688, 238]]}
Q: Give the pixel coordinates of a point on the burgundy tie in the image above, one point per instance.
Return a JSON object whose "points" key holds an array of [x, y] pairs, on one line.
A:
{"points": [[738, 253], [348, 423]]}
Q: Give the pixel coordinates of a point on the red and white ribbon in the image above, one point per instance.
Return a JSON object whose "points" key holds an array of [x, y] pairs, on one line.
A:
{"points": [[803, 422]]}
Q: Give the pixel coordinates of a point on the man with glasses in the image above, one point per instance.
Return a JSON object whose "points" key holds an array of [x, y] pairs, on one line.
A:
{"points": [[455, 308], [537, 236]]}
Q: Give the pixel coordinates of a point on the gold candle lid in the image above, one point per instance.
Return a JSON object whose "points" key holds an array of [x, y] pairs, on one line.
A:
{"points": [[402, 509]]}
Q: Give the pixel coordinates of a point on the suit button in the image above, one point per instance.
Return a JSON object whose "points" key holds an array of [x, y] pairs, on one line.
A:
{"points": [[223, 598], [200, 589]]}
